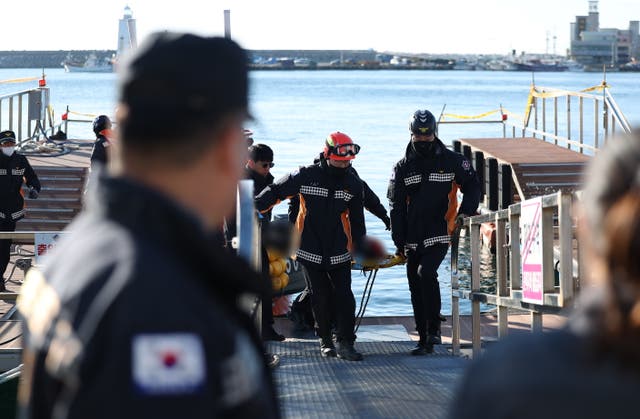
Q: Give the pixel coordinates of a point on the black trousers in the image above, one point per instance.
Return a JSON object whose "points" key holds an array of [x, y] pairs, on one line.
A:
{"points": [[331, 297], [422, 273], [5, 245]]}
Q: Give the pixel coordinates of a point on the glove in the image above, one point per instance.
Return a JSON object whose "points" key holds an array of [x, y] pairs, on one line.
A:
{"points": [[33, 194], [400, 252], [460, 219], [387, 222]]}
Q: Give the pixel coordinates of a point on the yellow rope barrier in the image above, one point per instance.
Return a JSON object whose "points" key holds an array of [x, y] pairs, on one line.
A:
{"points": [[89, 115], [22, 80], [482, 115]]}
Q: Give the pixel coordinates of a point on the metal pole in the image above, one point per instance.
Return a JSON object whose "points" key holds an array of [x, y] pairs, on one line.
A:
{"points": [[227, 24], [555, 120], [248, 238], [595, 124], [569, 121], [581, 129], [501, 272], [475, 287]]}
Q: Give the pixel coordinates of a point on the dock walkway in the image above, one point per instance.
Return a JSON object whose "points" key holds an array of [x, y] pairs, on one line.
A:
{"points": [[535, 167], [389, 382]]}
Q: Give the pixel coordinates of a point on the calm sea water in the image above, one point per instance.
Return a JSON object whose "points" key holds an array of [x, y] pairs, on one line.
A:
{"points": [[295, 110]]}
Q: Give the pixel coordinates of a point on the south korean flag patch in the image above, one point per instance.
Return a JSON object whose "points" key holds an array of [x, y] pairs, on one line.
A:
{"points": [[168, 364]]}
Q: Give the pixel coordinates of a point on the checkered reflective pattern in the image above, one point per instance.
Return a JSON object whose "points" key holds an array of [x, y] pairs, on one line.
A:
{"points": [[441, 177]]}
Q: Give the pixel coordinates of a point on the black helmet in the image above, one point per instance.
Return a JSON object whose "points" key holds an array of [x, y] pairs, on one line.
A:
{"points": [[102, 122], [422, 123]]}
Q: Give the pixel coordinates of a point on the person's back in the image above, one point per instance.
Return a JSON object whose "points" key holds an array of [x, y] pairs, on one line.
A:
{"points": [[134, 314], [591, 367]]}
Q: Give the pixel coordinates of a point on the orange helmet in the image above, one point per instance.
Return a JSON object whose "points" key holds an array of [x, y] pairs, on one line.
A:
{"points": [[339, 146]]}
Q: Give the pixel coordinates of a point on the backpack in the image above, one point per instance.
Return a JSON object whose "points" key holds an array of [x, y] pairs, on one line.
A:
{"points": [[301, 314]]}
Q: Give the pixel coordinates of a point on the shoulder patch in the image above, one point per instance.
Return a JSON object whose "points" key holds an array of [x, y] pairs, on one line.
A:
{"points": [[168, 363], [466, 164]]}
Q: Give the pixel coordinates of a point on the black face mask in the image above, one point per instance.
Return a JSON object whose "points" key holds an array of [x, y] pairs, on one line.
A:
{"points": [[423, 148]]}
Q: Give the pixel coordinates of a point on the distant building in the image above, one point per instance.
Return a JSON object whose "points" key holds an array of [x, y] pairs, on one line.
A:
{"points": [[594, 47]]}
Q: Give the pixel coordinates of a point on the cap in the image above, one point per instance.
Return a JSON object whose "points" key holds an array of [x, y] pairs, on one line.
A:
{"points": [[176, 82], [7, 136]]}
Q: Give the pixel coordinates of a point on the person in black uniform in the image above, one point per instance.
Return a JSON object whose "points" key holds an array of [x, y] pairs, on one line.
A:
{"points": [[14, 169], [258, 169], [371, 201], [101, 128], [331, 222], [423, 207], [135, 311]]}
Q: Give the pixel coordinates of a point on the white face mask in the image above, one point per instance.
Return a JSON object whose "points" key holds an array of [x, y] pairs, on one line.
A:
{"points": [[8, 151]]}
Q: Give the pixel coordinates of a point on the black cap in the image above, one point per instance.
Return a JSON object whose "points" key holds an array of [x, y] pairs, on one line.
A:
{"points": [[175, 83], [7, 136]]}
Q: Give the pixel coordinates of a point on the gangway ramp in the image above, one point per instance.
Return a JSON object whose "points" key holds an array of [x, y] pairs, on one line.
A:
{"points": [[534, 166]]}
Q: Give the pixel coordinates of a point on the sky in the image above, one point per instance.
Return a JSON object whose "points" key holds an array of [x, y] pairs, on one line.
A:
{"points": [[416, 26]]}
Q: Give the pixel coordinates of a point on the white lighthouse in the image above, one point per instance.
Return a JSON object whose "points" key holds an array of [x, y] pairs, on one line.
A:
{"points": [[127, 38]]}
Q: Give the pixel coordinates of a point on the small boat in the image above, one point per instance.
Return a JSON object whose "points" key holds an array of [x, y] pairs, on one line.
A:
{"points": [[91, 65], [538, 65]]}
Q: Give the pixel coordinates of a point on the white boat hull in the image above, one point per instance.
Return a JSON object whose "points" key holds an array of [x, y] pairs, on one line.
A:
{"points": [[70, 68]]}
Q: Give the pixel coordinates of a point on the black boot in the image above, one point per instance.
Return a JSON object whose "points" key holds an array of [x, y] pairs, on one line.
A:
{"points": [[268, 333], [434, 338], [422, 348], [327, 349], [348, 352]]}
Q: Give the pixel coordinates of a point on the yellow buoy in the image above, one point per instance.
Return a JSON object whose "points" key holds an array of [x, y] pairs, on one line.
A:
{"points": [[284, 280]]}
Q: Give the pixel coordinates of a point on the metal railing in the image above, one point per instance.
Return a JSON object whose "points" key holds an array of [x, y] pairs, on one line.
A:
{"points": [[605, 120], [28, 114], [564, 126], [555, 209]]}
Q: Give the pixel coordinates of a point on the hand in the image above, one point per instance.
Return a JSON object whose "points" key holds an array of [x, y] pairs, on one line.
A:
{"points": [[460, 219], [33, 193], [387, 223], [400, 252]]}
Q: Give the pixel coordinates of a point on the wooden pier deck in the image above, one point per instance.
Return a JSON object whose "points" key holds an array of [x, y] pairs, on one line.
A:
{"points": [[536, 167]]}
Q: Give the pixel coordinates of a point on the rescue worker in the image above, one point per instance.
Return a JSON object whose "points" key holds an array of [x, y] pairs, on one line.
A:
{"points": [[258, 169], [135, 313], [14, 170], [331, 223], [102, 130], [423, 207], [371, 201]]}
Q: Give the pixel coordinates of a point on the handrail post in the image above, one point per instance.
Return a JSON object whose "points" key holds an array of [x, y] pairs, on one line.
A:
{"points": [[581, 128], [475, 288], [565, 224], [555, 120], [569, 121], [502, 288], [455, 297], [595, 124]]}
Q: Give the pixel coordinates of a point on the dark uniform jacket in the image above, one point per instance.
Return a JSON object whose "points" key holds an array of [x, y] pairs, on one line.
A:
{"points": [[13, 170], [371, 201], [259, 183], [423, 196], [151, 301], [330, 219], [99, 152]]}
